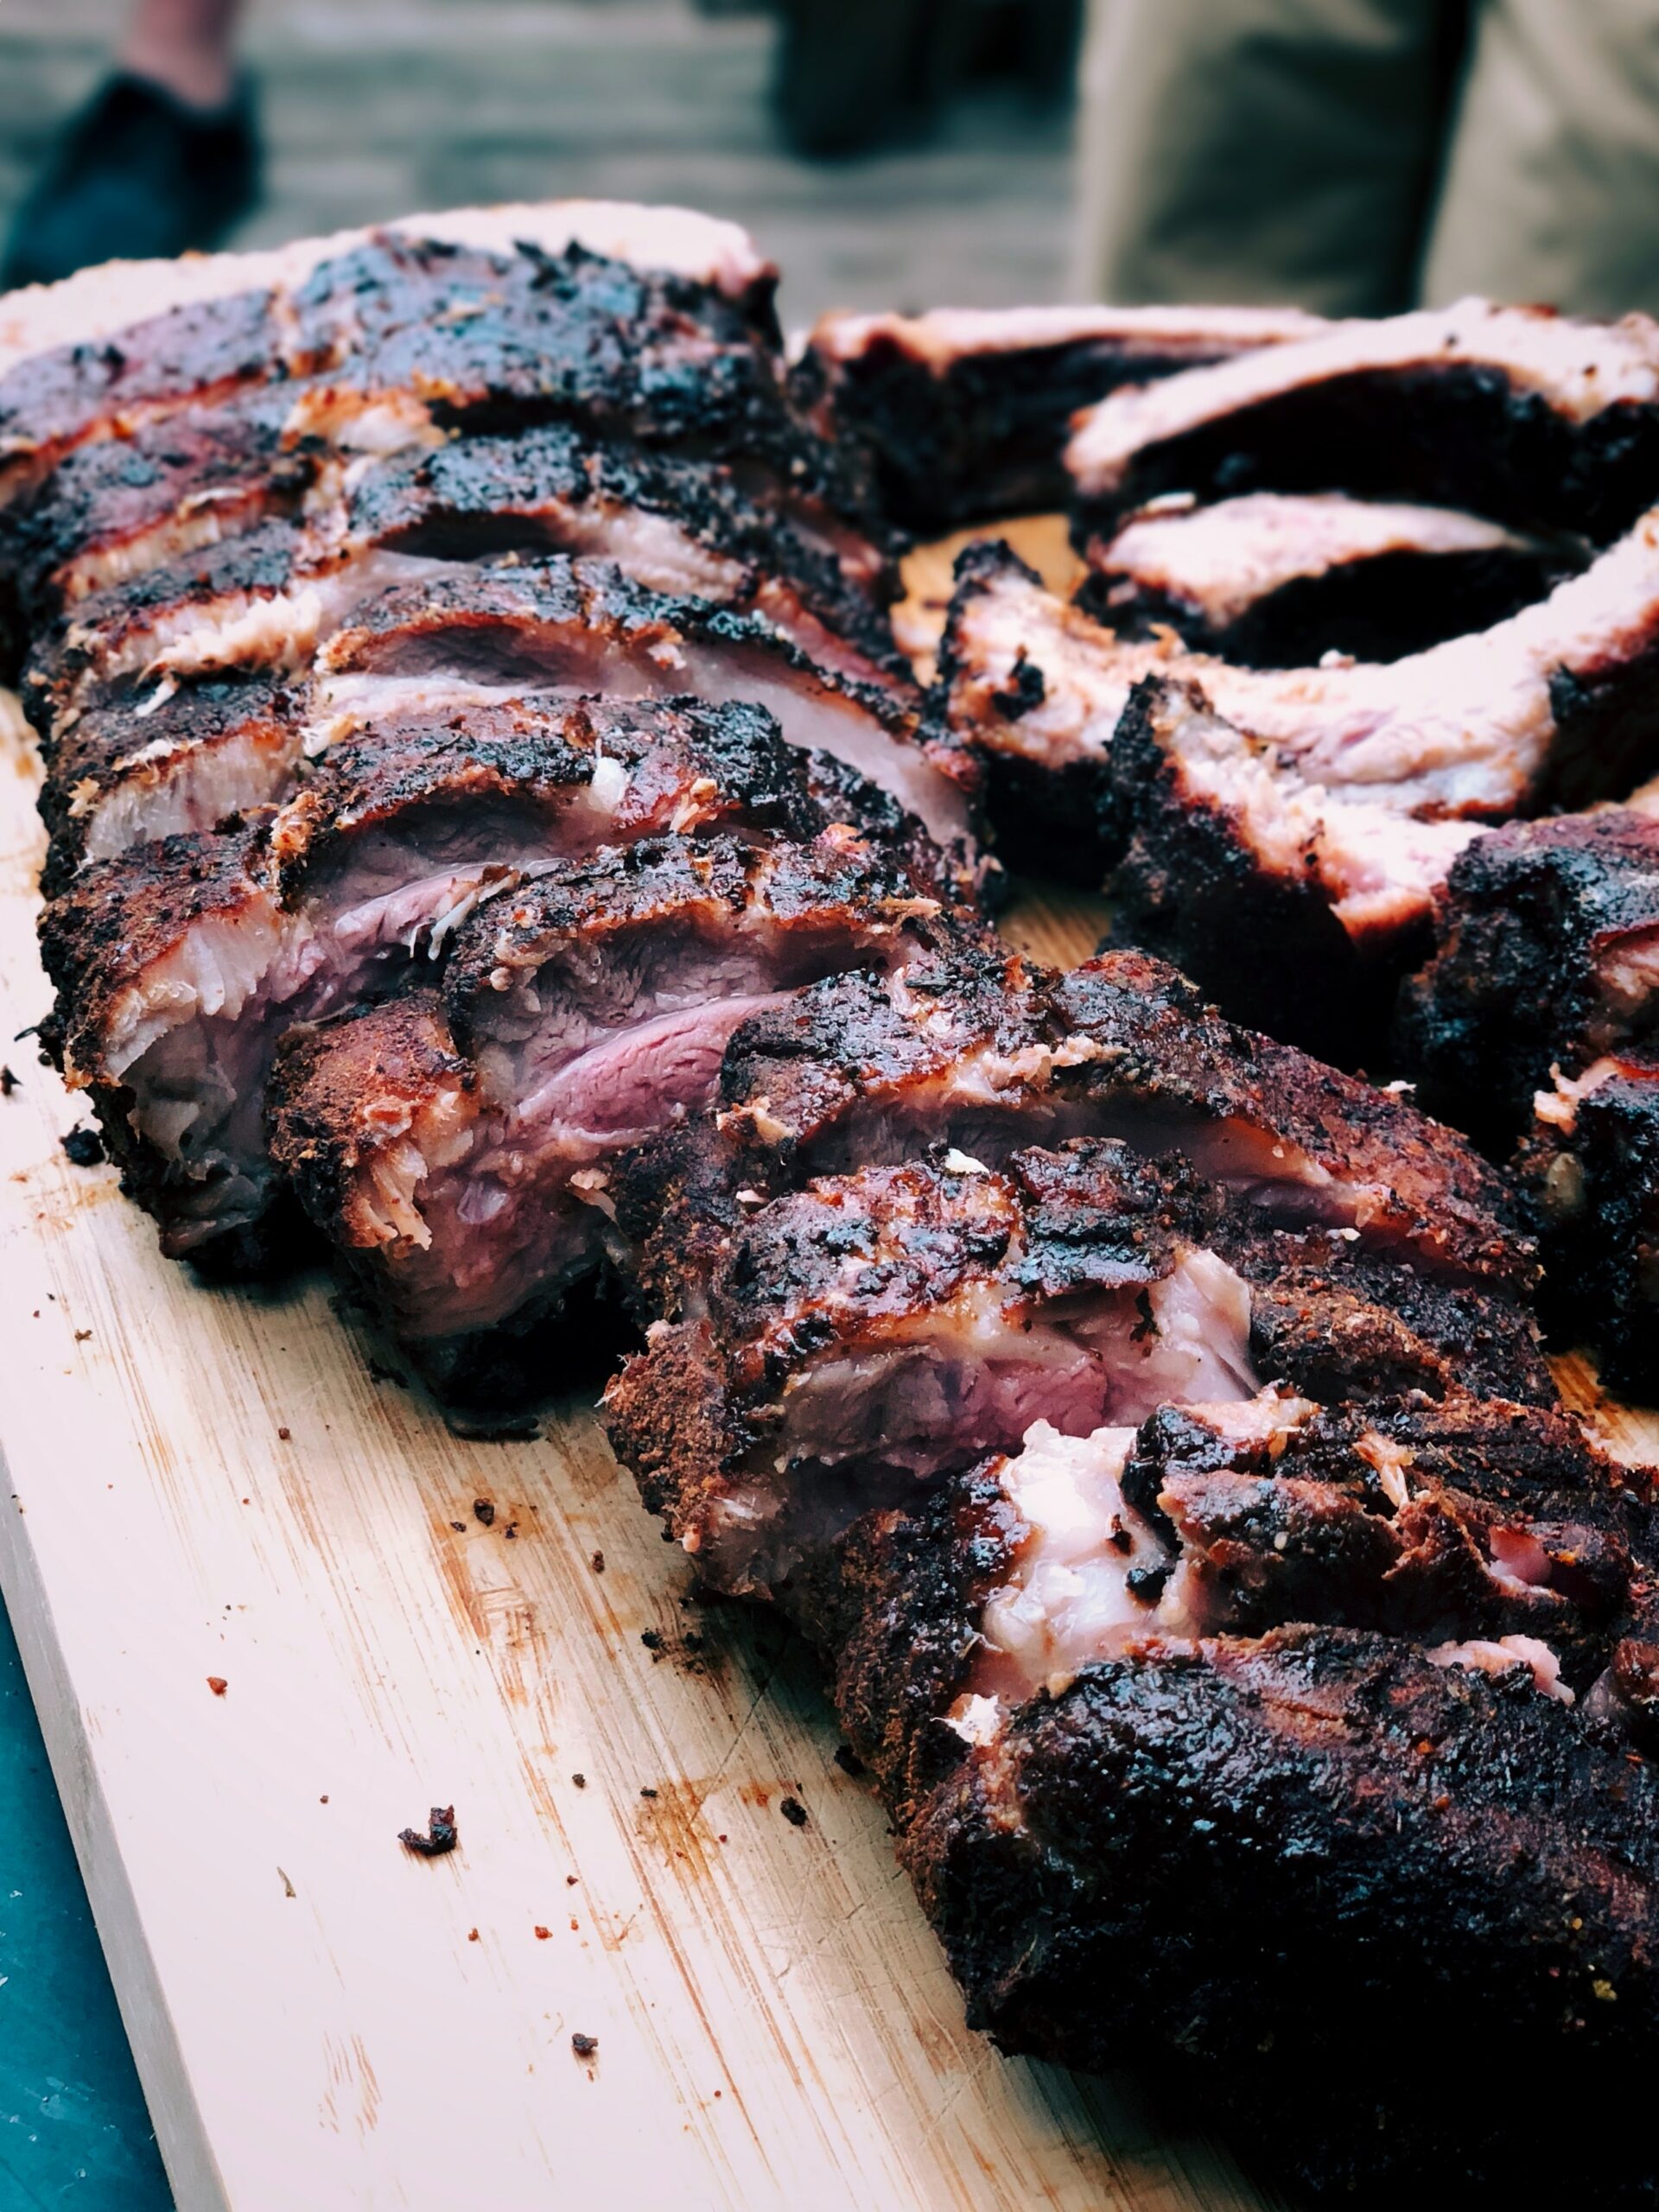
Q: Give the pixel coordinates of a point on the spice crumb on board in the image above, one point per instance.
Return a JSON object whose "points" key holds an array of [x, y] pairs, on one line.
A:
{"points": [[570, 1881], [793, 1811], [597, 1562], [83, 1145], [472, 1934], [218, 1684], [647, 1793], [580, 1780], [8, 1083], [283, 1434], [81, 1335], [459, 1528], [542, 1934], [584, 2046], [442, 1834]]}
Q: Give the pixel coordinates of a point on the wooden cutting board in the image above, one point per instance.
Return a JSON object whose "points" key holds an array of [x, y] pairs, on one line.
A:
{"points": [[272, 1610]]}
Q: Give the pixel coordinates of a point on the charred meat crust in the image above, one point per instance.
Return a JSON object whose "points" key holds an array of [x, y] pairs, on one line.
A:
{"points": [[1545, 954], [478, 495], [538, 335], [1502, 412], [1255, 1852], [449, 1173], [966, 414], [985, 1050], [1592, 1173]]}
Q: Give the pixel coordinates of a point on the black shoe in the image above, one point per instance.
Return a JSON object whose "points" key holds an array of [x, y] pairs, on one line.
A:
{"points": [[137, 173]]}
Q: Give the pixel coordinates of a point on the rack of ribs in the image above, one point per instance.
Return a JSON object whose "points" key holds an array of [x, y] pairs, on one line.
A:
{"points": [[494, 839]]}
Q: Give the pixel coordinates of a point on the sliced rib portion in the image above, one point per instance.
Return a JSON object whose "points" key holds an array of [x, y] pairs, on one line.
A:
{"points": [[1546, 956], [396, 329], [582, 625], [180, 965], [1590, 1160], [673, 524], [856, 1338], [1556, 704], [980, 1053], [144, 763], [1530, 417], [1190, 1730], [456, 1145], [116, 507], [1249, 1852], [1278, 579], [264, 601], [966, 411], [1298, 904]]}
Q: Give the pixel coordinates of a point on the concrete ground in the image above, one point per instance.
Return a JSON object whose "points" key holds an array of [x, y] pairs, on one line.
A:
{"points": [[377, 107]]}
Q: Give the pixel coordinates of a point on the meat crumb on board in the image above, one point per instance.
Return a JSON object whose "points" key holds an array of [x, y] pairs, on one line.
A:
{"points": [[442, 1834], [793, 1811], [584, 2046], [218, 1684], [83, 1145], [484, 1511]]}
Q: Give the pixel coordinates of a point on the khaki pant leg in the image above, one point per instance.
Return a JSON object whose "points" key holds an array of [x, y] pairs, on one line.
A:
{"points": [[1552, 192], [1263, 151]]}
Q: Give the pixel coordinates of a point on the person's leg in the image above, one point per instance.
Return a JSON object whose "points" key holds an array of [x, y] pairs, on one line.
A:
{"points": [[1552, 191], [185, 47], [163, 158], [1263, 151]]}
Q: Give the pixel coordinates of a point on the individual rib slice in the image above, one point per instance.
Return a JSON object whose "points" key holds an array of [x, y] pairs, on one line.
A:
{"points": [[1534, 419], [966, 411], [673, 524], [1279, 580], [583, 625], [1298, 904], [116, 507], [261, 601], [144, 763], [1557, 703], [1537, 1020], [456, 1145], [1242, 1852], [180, 965], [978, 1051]]}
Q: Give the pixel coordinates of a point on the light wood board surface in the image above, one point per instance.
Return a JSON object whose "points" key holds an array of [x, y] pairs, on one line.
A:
{"points": [[205, 1484], [209, 1486]]}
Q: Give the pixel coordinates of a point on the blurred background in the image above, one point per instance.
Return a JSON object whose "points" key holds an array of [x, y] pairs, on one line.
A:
{"points": [[375, 108]]}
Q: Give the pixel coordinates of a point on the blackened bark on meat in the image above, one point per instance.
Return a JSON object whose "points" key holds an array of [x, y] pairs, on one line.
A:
{"points": [[1544, 937], [1256, 1854], [1591, 1165], [966, 414]]}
